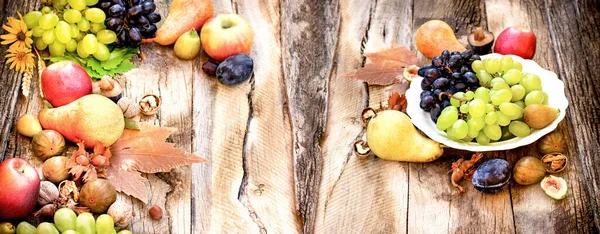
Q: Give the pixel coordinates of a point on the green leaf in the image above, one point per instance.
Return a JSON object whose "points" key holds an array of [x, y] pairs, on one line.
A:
{"points": [[95, 65], [125, 66], [93, 73], [131, 124]]}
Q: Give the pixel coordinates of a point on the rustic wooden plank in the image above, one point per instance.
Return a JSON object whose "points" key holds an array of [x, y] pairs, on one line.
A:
{"points": [[434, 205], [309, 41], [10, 83], [268, 159], [532, 209], [575, 37], [361, 196], [172, 84], [221, 116]]}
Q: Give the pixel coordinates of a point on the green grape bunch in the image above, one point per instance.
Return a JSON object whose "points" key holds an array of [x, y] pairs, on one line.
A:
{"points": [[494, 111], [71, 26]]}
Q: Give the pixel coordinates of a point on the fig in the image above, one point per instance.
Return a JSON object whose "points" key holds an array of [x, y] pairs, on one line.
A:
{"points": [[555, 187], [28, 125], [539, 116], [492, 176], [7, 228], [55, 169], [553, 142], [97, 195], [481, 41], [529, 170], [47, 143]]}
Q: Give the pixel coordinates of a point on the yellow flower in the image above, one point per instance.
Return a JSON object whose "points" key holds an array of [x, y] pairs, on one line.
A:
{"points": [[17, 34], [21, 59]]}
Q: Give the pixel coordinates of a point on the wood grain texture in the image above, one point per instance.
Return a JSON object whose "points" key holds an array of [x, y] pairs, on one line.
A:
{"points": [[280, 145], [575, 45], [268, 186], [309, 42], [530, 205], [170, 191], [10, 85], [373, 186]]}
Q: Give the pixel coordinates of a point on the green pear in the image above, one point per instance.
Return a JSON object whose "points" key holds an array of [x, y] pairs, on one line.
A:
{"points": [[90, 119], [392, 136]]}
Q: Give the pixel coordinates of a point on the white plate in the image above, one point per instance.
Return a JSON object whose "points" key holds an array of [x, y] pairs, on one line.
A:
{"points": [[550, 84]]}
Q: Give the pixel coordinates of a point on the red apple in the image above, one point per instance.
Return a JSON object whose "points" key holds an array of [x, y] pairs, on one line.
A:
{"points": [[20, 185], [64, 82], [224, 35], [517, 41]]}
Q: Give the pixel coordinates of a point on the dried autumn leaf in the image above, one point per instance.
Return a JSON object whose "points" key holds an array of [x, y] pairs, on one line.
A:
{"points": [[386, 67], [397, 53], [144, 151]]}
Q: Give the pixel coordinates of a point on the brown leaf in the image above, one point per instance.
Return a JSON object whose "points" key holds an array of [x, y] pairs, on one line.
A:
{"points": [[386, 67], [129, 182], [144, 151], [397, 53]]}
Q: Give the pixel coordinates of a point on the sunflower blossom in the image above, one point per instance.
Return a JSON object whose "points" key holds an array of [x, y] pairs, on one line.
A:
{"points": [[21, 59], [18, 35]]}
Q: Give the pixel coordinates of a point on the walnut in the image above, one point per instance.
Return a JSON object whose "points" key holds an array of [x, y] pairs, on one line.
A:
{"points": [[121, 213], [48, 193], [129, 108], [149, 104]]}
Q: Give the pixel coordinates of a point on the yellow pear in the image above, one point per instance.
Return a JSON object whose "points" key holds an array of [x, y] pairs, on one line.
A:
{"points": [[28, 125], [90, 119], [392, 136]]}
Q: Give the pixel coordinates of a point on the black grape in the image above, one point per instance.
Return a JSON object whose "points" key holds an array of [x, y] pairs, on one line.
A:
{"points": [[427, 103], [153, 17]]}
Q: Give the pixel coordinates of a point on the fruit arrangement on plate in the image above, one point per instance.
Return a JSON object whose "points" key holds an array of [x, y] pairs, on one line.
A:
{"points": [[469, 99]]}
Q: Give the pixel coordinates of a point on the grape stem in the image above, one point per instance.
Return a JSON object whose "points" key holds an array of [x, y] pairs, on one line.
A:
{"points": [[452, 96]]}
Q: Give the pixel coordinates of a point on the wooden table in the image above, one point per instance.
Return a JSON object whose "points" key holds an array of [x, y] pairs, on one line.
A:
{"points": [[280, 145]]}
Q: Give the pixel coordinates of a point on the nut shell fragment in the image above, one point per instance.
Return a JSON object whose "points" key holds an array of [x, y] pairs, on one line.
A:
{"points": [[361, 149], [149, 104], [555, 162]]}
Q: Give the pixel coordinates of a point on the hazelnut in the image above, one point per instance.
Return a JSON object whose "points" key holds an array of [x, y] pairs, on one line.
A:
{"points": [[155, 212]]}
